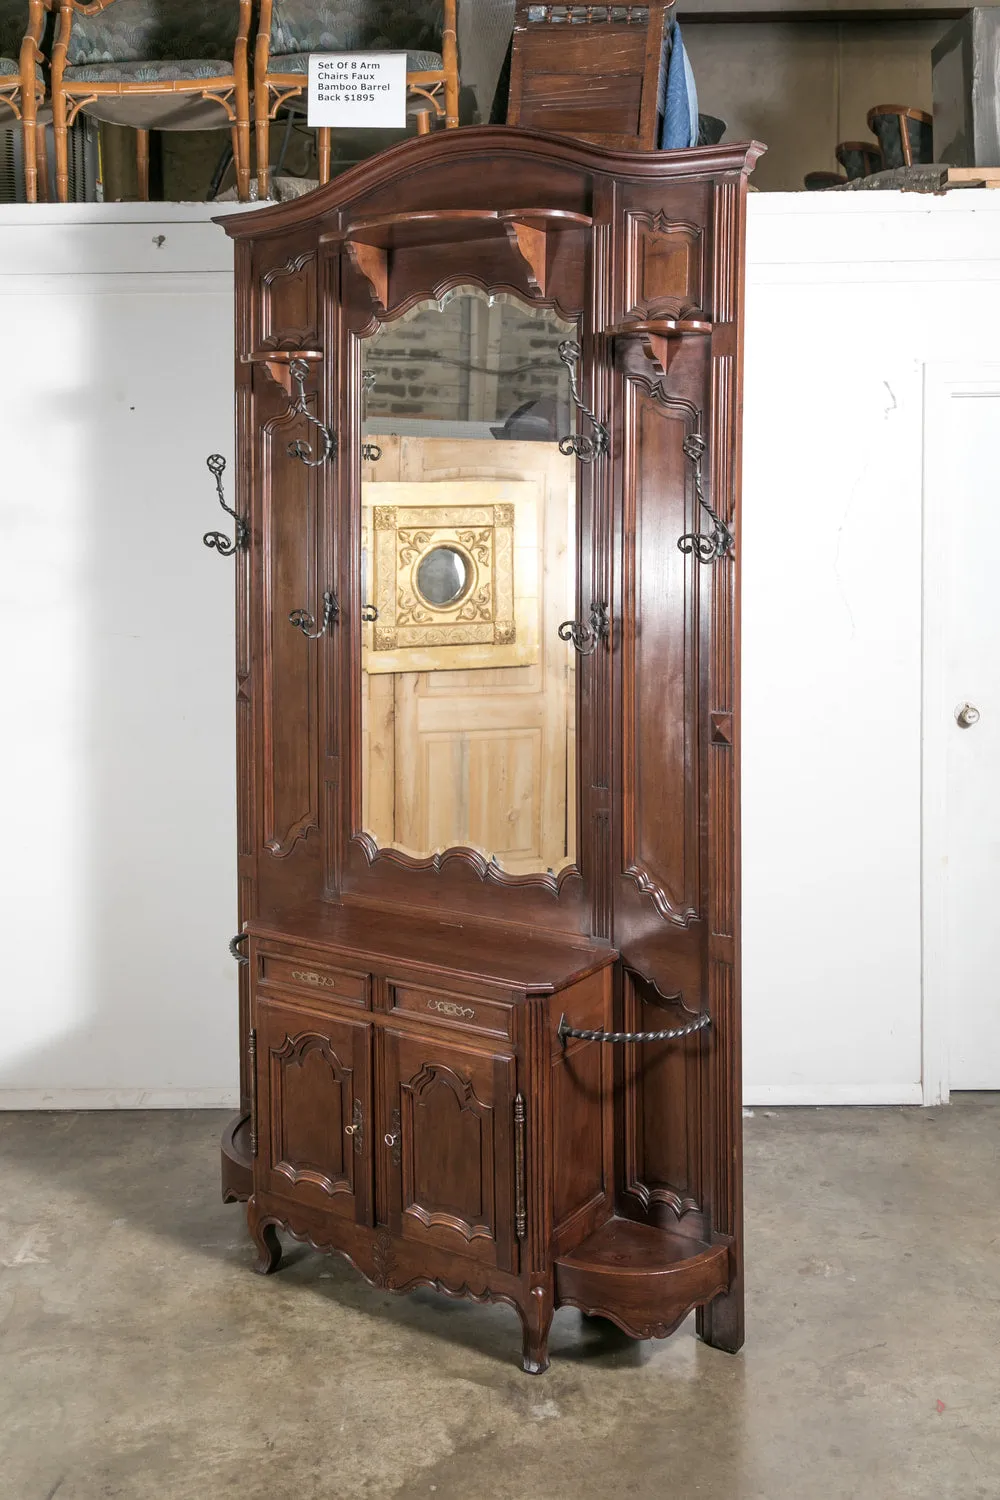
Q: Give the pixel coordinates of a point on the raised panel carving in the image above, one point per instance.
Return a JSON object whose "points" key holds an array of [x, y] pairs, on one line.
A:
{"points": [[449, 1145], [659, 660], [288, 316], [289, 770], [664, 266], [662, 1113], [447, 1163], [312, 1103]]}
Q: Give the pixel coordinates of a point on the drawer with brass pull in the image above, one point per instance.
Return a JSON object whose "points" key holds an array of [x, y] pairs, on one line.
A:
{"points": [[467, 1011], [315, 979]]}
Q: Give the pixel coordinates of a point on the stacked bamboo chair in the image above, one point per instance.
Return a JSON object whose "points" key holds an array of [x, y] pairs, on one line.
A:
{"points": [[185, 65]]}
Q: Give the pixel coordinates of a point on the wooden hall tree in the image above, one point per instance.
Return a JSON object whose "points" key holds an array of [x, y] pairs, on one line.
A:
{"points": [[488, 410]]}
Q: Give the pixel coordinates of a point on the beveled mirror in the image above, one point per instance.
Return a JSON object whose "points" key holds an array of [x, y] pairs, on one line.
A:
{"points": [[469, 545]]}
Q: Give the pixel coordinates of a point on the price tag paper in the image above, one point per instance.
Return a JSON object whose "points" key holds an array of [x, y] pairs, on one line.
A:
{"points": [[358, 89]]}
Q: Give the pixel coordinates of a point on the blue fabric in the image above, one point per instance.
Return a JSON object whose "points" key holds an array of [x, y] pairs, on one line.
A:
{"points": [[680, 96]]}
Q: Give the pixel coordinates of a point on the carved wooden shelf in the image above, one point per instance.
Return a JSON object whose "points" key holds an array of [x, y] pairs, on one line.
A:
{"points": [[529, 231], [278, 363], [538, 966], [660, 336], [630, 1272]]}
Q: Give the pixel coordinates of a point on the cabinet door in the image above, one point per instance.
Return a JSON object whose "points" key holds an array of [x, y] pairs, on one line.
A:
{"points": [[314, 1108], [447, 1146]]}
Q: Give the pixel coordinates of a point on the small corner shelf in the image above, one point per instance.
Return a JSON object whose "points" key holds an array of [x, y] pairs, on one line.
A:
{"points": [[643, 1278], [530, 233], [278, 363], [659, 336]]}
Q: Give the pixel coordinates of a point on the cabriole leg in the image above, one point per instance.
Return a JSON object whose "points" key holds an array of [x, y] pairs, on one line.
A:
{"points": [[265, 1237]]}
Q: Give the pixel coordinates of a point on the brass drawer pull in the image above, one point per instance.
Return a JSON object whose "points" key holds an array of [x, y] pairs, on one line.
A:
{"points": [[308, 977], [448, 1008]]}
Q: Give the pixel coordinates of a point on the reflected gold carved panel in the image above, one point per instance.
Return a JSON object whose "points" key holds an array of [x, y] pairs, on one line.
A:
{"points": [[454, 575]]}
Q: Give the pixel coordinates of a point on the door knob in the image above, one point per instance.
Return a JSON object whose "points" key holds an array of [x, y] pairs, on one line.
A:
{"points": [[391, 1138], [966, 715]]}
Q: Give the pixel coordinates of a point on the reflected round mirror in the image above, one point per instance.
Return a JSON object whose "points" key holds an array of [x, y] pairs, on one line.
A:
{"points": [[442, 576]]}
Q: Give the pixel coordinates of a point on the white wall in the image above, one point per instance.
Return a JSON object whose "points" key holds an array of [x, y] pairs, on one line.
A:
{"points": [[849, 295], [117, 760], [116, 676]]}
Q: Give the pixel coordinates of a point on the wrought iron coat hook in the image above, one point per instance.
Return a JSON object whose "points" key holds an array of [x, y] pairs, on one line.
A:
{"points": [[584, 637], [218, 539], [298, 370], [370, 452], [585, 448], [706, 545], [304, 621]]}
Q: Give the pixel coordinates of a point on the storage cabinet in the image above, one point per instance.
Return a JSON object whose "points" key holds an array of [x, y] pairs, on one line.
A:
{"points": [[488, 403]]}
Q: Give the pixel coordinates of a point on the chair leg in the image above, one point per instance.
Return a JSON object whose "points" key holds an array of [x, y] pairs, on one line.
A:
{"points": [[262, 124], [323, 152], [449, 57], [142, 163], [241, 138], [42, 160], [59, 112], [234, 136], [423, 122], [29, 135]]}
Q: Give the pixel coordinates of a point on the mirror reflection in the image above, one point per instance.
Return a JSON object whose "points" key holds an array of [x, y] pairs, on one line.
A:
{"points": [[469, 521]]}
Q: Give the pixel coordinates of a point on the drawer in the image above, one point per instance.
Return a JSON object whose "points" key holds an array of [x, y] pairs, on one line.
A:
{"points": [[315, 979], [467, 1012]]}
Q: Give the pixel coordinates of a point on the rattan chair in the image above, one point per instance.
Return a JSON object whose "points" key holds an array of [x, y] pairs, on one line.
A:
{"points": [[289, 30], [22, 88], [153, 64]]}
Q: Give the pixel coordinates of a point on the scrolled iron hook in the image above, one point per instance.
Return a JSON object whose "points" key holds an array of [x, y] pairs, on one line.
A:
{"points": [[298, 370], [586, 449], [218, 540]]}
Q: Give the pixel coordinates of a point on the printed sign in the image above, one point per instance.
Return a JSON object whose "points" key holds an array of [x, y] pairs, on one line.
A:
{"points": [[358, 89]]}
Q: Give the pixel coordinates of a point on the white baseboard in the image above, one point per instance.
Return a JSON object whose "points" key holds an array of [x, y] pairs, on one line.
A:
{"points": [[779, 1095], [757, 1096], [220, 1098]]}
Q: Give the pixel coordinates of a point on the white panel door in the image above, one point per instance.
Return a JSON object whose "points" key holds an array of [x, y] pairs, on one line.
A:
{"points": [[962, 724]]}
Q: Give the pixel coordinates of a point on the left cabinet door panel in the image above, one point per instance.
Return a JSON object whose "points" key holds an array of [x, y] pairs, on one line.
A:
{"points": [[314, 1109]]}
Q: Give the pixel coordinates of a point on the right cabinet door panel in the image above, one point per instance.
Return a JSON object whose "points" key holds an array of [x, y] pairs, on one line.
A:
{"points": [[314, 1108], [448, 1146]]}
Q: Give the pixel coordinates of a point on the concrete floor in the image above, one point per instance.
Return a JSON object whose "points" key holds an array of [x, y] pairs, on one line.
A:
{"points": [[140, 1357]]}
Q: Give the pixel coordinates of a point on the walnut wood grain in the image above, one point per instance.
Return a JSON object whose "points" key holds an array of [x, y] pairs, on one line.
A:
{"points": [[404, 1008]]}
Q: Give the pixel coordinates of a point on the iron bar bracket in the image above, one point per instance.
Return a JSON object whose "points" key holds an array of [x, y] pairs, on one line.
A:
{"points": [[619, 1038]]}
